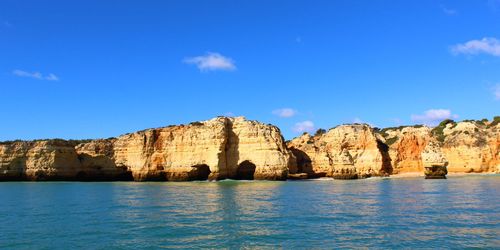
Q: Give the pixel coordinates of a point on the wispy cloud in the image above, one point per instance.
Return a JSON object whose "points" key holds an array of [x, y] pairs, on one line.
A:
{"points": [[448, 11], [496, 91], [432, 117], [397, 121], [211, 61], [35, 75], [285, 112], [305, 126], [357, 120], [7, 24], [487, 45]]}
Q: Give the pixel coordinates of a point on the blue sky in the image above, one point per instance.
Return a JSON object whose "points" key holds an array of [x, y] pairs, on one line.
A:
{"points": [[92, 69]]}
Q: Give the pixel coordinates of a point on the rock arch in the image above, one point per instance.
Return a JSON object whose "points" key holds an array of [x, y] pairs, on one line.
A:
{"points": [[245, 171]]}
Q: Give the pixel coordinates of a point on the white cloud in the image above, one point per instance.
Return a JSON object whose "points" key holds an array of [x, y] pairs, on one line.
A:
{"points": [[432, 117], [448, 11], [357, 120], [397, 121], [305, 126], [496, 91], [487, 45], [285, 112], [35, 75], [211, 61], [52, 77]]}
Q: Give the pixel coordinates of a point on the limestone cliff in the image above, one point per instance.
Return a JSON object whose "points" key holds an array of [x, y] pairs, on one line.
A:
{"points": [[352, 151], [216, 149], [347, 151], [405, 147], [237, 148], [471, 146], [38, 160]]}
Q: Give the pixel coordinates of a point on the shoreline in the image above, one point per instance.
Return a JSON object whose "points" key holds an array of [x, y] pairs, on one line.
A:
{"points": [[421, 174], [408, 175]]}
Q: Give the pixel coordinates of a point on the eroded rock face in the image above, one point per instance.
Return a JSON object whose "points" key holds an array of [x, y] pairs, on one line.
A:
{"points": [[255, 145], [469, 146], [236, 148], [434, 161], [472, 147], [433, 156], [406, 145], [174, 153], [97, 162], [39, 160], [347, 151], [216, 149]]}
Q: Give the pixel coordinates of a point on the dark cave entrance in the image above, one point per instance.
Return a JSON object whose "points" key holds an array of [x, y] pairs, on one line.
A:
{"points": [[245, 171], [200, 172]]}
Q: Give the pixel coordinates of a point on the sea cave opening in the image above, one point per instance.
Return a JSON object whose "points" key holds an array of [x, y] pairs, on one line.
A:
{"points": [[200, 172], [245, 171]]}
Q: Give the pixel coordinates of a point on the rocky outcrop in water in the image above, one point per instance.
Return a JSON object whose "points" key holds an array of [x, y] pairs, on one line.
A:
{"points": [[434, 161], [216, 149]]}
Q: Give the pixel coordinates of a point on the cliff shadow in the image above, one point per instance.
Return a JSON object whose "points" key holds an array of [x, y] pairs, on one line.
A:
{"points": [[304, 164], [101, 168], [386, 158], [232, 152]]}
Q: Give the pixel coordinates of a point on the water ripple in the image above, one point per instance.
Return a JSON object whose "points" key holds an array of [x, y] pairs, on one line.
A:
{"points": [[460, 212]]}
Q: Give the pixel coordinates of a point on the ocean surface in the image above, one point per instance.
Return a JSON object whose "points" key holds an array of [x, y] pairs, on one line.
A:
{"points": [[460, 212]]}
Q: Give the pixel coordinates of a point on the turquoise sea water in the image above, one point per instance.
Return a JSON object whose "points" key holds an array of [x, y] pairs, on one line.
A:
{"points": [[460, 212]]}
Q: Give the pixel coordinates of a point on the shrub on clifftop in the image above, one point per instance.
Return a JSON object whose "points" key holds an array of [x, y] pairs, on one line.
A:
{"points": [[438, 130]]}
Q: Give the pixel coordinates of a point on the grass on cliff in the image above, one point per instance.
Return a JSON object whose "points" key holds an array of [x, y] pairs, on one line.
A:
{"points": [[496, 120], [384, 133], [55, 140], [392, 140], [320, 132], [438, 131]]}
